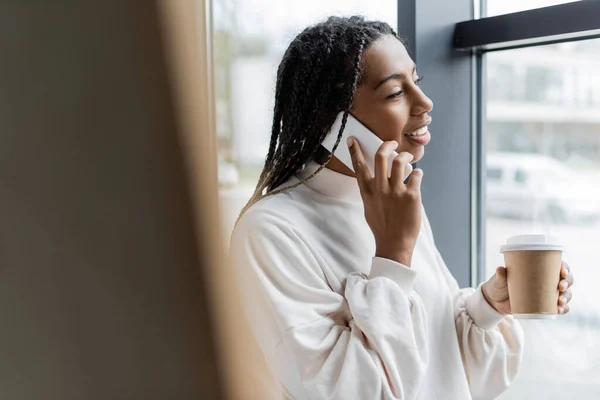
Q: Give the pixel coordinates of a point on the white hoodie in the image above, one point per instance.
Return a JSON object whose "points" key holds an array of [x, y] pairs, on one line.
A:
{"points": [[335, 322]]}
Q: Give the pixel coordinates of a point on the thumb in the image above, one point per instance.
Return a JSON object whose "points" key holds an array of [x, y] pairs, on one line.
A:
{"points": [[501, 275]]}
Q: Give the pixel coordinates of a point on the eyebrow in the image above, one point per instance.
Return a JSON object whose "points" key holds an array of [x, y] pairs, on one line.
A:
{"points": [[394, 76]]}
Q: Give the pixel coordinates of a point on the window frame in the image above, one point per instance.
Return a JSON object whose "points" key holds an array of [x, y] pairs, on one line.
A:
{"points": [[451, 171], [555, 24], [449, 43], [549, 25]]}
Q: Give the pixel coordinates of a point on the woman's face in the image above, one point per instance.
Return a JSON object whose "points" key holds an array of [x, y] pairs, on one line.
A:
{"points": [[389, 102]]}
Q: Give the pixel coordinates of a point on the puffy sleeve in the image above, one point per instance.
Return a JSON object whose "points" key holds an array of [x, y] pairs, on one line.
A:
{"points": [[491, 343], [368, 342]]}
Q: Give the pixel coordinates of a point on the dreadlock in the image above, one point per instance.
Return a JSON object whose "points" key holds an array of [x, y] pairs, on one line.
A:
{"points": [[316, 80]]}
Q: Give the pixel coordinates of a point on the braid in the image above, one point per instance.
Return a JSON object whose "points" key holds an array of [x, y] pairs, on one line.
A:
{"points": [[316, 80], [276, 130], [277, 125], [355, 82]]}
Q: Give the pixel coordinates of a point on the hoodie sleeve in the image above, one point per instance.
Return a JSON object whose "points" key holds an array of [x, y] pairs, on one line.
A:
{"points": [[491, 344], [368, 342]]}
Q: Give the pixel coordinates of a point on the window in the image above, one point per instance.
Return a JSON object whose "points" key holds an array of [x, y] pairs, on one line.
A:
{"points": [[521, 177], [550, 136], [543, 85], [501, 88], [499, 7], [494, 174]]}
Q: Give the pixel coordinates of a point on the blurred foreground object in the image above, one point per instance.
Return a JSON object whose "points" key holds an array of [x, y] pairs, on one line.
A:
{"points": [[108, 258]]}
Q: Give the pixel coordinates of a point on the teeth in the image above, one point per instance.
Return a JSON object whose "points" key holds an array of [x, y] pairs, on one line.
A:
{"points": [[419, 132]]}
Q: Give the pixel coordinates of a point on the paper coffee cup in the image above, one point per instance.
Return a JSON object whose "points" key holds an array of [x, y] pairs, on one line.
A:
{"points": [[533, 264]]}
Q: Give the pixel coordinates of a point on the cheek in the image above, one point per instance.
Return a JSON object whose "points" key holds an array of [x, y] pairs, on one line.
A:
{"points": [[386, 119], [393, 123]]}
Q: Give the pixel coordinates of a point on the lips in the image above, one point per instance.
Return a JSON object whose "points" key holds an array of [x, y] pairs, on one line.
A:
{"points": [[420, 135], [421, 140], [419, 129], [418, 132]]}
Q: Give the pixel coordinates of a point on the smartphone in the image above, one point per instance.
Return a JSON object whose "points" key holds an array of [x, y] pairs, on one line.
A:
{"points": [[369, 144]]}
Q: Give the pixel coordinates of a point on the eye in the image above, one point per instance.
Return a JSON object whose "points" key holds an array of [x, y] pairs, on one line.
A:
{"points": [[396, 94], [418, 80]]}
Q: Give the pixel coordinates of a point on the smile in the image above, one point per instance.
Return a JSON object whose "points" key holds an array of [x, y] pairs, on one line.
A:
{"points": [[419, 132]]}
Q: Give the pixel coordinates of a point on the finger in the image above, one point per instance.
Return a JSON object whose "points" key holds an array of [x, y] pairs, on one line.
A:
{"points": [[570, 279], [565, 298], [399, 168], [564, 270], [564, 310], [499, 279], [381, 163], [565, 273], [501, 274], [363, 175], [563, 285], [569, 295], [415, 180], [562, 301]]}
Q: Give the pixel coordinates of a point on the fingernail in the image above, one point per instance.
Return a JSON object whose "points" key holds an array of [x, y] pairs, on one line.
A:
{"points": [[350, 142], [561, 310], [563, 299]]}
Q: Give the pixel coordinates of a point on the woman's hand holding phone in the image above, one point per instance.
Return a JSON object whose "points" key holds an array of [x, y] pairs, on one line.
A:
{"points": [[392, 208]]}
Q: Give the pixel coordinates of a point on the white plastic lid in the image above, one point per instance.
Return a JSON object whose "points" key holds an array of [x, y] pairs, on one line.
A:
{"points": [[531, 242]]}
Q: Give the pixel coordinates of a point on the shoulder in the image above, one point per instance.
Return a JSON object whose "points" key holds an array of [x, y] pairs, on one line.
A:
{"points": [[294, 209], [269, 222], [262, 218], [267, 240]]}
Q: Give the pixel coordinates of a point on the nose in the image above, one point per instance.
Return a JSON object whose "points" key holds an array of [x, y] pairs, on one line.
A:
{"points": [[421, 103]]}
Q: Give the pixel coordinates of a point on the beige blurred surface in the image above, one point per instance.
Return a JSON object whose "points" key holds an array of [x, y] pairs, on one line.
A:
{"points": [[188, 34], [101, 240]]}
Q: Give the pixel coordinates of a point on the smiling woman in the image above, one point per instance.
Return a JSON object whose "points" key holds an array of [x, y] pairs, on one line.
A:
{"points": [[346, 292]]}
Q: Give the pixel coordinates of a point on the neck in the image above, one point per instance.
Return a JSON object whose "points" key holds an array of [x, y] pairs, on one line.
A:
{"points": [[334, 164]]}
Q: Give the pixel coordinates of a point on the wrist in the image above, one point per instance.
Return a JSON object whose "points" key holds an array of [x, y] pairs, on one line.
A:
{"points": [[484, 293], [402, 257], [486, 296]]}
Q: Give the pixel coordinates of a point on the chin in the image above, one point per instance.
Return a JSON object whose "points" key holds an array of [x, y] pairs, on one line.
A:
{"points": [[417, 152]]}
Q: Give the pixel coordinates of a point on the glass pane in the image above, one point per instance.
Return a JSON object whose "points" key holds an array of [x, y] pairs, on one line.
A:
{"points": [[499, 7], [249, 38], [542, 133]]}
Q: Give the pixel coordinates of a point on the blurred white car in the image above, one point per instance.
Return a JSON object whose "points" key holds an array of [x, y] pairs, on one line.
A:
{"points": [[536, 186]]}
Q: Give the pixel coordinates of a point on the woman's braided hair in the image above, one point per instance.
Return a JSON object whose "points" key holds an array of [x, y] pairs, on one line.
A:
{"points": [[316, 80]]}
